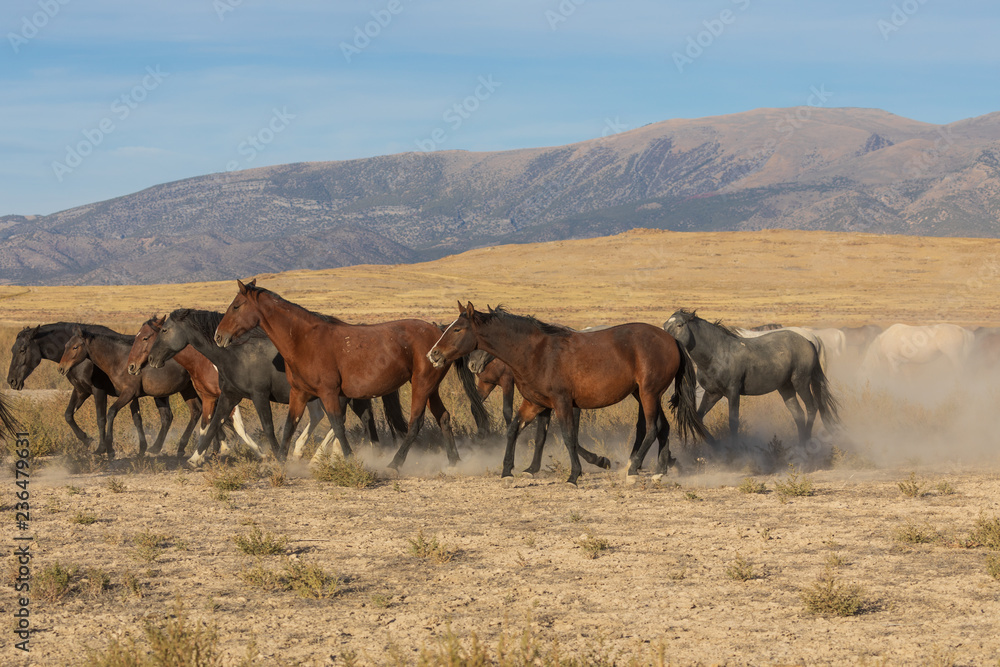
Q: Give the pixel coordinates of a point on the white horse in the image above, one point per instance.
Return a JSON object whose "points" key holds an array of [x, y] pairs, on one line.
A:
{"points": [[903, 346]]}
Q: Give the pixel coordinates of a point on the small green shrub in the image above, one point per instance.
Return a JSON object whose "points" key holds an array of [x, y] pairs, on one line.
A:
{"points": [[912, 534], [794, 484], [54, 582], [259, 543], [829, 597], [986, 532], [593, 546], [910, 487], [115, 485], [993, 566], [350, 473], [743, 570], [751, 485], [430, 549], [83, 518]]}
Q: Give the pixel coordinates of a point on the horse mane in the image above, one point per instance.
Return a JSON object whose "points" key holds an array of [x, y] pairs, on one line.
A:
{"points": [[329, 319], [205, 322], [503, 315], [693, 314]]}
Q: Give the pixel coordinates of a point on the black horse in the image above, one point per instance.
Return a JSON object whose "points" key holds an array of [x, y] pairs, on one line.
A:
{"points": [[731, 366], [47, 341], [250, 368]]}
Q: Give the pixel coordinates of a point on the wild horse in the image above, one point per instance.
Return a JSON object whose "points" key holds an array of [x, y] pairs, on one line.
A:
{"points": [[109, 352], [204, 378], [558, 368], [494, 373], [48, 341], [252, 368], [730, 365], [332, 360]]}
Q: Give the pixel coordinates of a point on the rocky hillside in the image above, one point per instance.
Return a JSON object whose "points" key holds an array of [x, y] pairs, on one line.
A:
{"points": [[800, 168]]}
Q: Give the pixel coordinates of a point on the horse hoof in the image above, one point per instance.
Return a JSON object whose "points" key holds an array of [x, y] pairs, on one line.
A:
{"points": [[528, 473], [657, 477], [572, 483], [604, 462], [631, 479]]}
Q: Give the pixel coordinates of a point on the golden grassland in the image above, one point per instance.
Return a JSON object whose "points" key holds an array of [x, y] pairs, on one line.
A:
{"points": [[807, 278]]}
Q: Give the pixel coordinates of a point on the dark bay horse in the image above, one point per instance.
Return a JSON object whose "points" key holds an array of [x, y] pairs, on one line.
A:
{"points": [[250, 368], [204, 378], [334, 361], [47, 341], [558, 368], [732, 366], [109, 352], [491, 373]]}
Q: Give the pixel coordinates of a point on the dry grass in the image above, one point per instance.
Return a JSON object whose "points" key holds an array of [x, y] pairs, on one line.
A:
{"points": [[828, 596], [350, 472]]}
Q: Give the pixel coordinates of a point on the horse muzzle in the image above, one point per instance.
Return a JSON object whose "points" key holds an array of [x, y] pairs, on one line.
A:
{"points": [[436, 358], [16, 385], [133, 369], [63, 370], [222, 340]]}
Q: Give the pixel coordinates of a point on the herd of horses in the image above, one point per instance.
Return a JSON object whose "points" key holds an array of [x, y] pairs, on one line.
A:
{"points": [[267, 349]]}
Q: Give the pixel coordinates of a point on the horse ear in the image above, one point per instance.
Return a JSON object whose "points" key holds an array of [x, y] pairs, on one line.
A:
{"points": [[461, 308], [78, 331], [470, 310], [252, 283], [241, 286]]}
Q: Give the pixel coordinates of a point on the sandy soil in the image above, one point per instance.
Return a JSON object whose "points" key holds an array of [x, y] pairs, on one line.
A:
{"points": [[518, 563]]}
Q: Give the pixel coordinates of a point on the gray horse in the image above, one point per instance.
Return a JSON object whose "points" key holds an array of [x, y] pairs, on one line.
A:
{"points": [[731, 366]]}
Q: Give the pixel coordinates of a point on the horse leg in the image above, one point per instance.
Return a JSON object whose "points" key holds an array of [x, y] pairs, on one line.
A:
{"points": [[708, 401], [787, 393], [133, 406], [261, 401], [334, 407], [296, 405], [418, 403], [315, 409], [224, 405], [166, 418], [195, 406], [76, 400], [507, 387], [363, 409], [734, 414], [541, 431], [444, 421], [527, 412], [650, 408], [640, 428], [571, 432], [665, 460]]}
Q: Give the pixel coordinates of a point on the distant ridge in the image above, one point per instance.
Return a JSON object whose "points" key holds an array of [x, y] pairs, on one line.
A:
{"points": [[800, 168]]}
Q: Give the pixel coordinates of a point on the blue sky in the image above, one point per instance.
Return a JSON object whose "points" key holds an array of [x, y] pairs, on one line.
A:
{"points": [[101, 98]]}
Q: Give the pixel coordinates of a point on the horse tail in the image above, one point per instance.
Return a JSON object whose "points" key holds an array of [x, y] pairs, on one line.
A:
{"points": [[683, 402], [8, 424], [479, 412], [394, 414], [828, 407]]}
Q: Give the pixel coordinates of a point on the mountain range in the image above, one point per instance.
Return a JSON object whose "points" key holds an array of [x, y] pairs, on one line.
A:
{"points": [[837, 169]]}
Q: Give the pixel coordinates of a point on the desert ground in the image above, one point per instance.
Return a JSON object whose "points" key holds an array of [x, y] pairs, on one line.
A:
{"points": [[895, 524]]}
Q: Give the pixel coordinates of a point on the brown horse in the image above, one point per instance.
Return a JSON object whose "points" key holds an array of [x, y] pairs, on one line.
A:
{"points": [[109, 352], [334, 361], [558, 368], [204, 375]]}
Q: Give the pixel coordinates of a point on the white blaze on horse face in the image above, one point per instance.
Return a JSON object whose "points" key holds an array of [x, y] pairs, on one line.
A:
{"points": [[430, 352]]}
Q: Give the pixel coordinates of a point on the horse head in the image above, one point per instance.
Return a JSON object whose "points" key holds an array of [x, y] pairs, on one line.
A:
{"points": [[241, 316], [76, 350], [25, 355], [458, 339]]}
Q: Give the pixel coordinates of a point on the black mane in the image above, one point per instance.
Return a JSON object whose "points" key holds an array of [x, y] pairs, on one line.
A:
{"points": [[206, 321], [503, 315], [693, 315]]}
